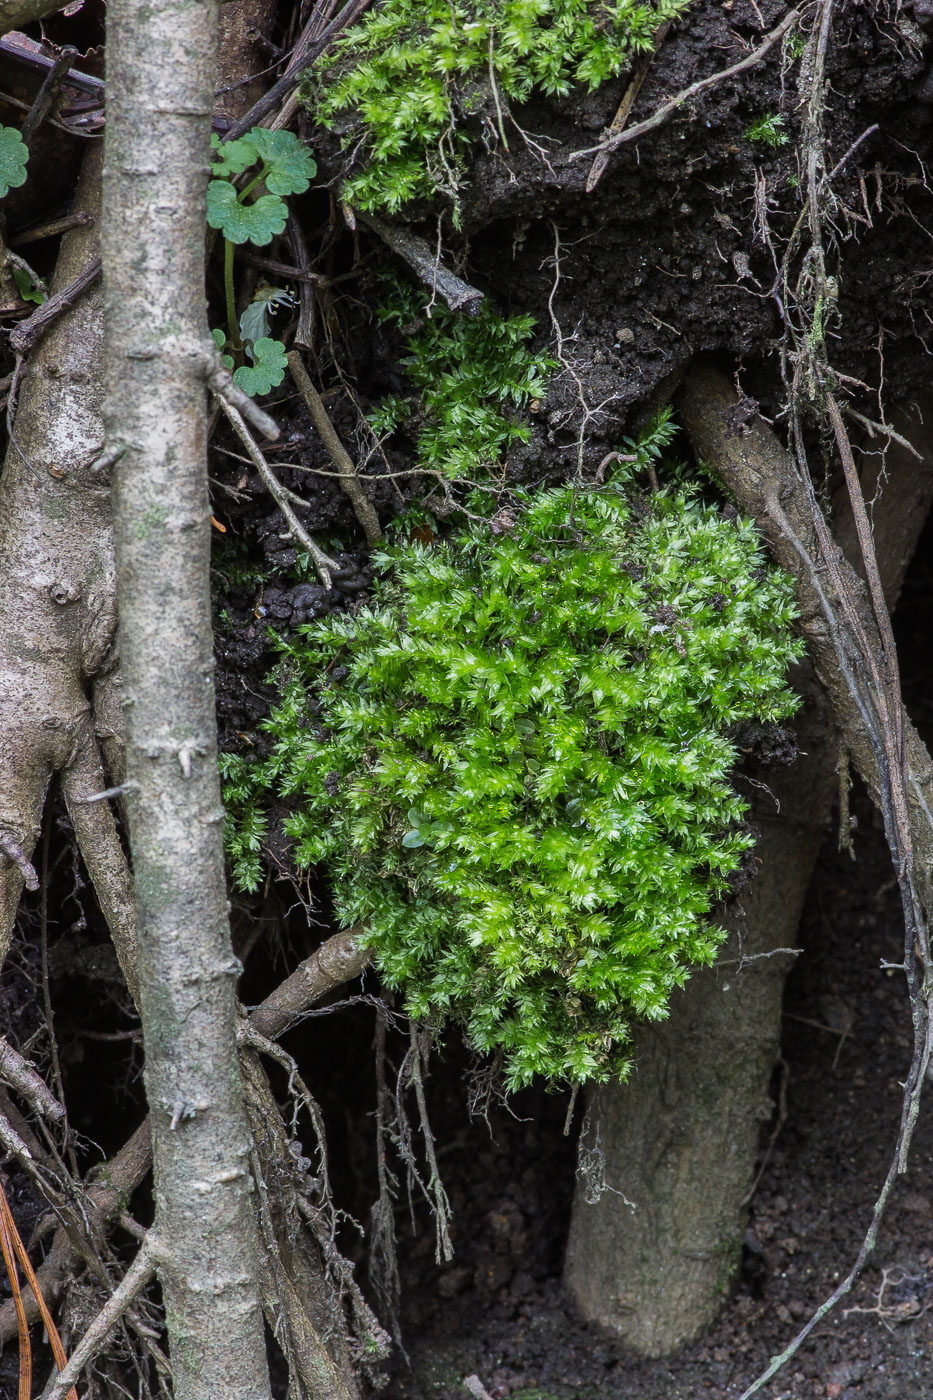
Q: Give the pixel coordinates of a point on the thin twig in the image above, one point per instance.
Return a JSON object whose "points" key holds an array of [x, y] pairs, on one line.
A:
{"points": [[668, 108], [306, 51], [620, 120], [426, 265], [12, 1238], [45, 98], [324, 566], [436, 1194], [844, 160], [25, 335], [349, 480], [304, 331], [79, 219], [281, 269]]}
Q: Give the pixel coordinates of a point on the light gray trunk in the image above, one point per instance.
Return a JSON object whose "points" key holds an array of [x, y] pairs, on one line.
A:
{"points": [[680, 1138], [160, 83]]}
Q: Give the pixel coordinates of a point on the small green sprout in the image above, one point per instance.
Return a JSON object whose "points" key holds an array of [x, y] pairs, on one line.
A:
{"points": [[30, 287], [768, 130]]}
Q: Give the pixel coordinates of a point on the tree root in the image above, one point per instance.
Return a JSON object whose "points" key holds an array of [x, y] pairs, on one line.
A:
{"points": [[849, 640], [760, 474]]}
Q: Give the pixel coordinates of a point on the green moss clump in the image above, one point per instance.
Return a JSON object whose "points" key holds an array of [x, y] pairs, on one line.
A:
{"points": [[471, 375], [406, 80], [514, 764]]}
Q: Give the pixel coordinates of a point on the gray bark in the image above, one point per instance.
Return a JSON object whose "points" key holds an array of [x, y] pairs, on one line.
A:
{"points": [[680, 1138], [57, 609], [160, 84]]}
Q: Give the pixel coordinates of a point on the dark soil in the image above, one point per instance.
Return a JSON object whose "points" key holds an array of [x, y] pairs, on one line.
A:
{"points": [[666, 260]]}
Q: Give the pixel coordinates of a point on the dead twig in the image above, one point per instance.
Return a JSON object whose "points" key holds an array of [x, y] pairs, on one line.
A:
{"points": [[137, 1277], [52, 84], [349, 480], [620, 120], [280, 269], [426, 265], [15, 1251], [24, 336], [306, 51], [79, 219], [668, 108], [341, 958], [304, 331]]}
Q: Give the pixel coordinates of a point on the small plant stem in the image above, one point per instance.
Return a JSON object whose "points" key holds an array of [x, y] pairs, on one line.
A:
{"points": [[257, 180], [233, 328]]}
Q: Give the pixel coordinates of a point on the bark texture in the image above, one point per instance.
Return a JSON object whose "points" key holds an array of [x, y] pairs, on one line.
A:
{"points": [[680, 1138], [160, 84], [57, 609]]}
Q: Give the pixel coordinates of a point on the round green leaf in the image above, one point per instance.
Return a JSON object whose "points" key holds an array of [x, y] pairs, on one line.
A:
{"points": [[268, 367], [232, 157], [289, 165], [219, 338], [13, 158], [244, 223]]}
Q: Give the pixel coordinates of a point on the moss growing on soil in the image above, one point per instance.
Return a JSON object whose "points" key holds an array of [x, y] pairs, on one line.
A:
{"points": [[418, 81], [514, 764]]}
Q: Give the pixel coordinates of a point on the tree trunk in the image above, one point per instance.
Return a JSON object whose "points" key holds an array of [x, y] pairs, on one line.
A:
{"points": [[160, 85], [680, 1138]]}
